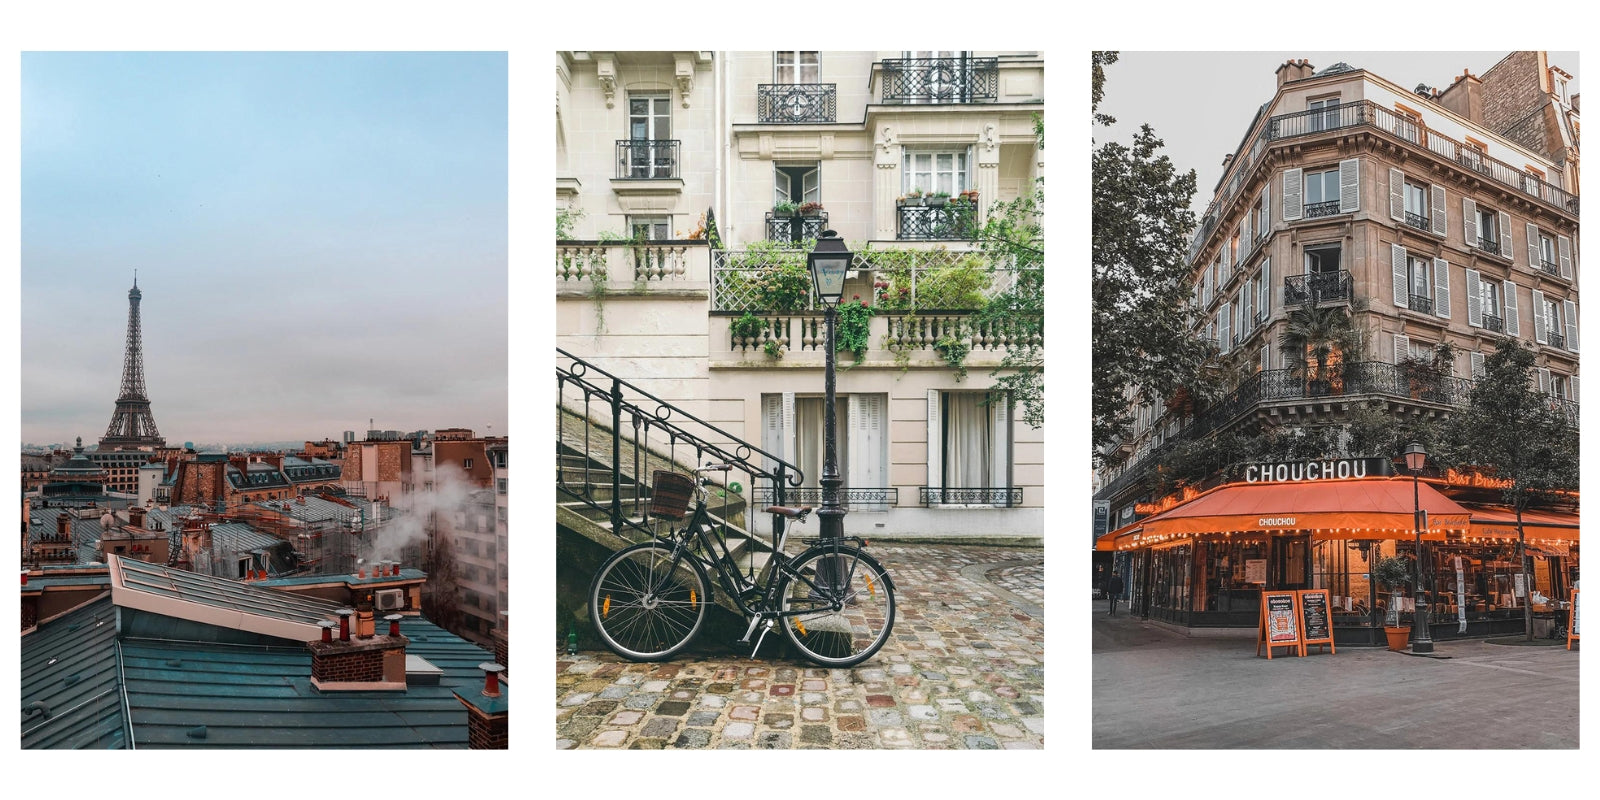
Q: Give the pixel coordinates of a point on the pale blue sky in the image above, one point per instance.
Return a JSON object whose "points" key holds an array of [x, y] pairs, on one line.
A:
{"points": [[320, 238]]}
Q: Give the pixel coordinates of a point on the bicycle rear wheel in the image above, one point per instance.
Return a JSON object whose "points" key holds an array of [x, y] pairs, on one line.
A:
{"points": [[644, 609], [845, 617]]}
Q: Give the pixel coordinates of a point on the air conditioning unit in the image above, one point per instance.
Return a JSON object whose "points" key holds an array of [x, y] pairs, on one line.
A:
{"points": [[390, 599]]}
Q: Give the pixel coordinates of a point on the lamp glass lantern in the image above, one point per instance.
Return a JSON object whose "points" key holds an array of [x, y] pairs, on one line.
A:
{"points": [[1416, 457], [829, 262]]}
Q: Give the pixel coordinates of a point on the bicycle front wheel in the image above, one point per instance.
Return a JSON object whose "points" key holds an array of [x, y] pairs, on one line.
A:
{"points": [[845, 602], [643, 607]]}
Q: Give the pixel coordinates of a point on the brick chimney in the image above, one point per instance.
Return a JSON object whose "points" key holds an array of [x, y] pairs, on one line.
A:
{"points": [[136, 516], [1294, 70], [1464, 96], [487, 727], [345, 664], [64, 525]]}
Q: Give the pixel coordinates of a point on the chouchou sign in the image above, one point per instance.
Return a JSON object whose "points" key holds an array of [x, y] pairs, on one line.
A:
{"points": [[1327, 469]]}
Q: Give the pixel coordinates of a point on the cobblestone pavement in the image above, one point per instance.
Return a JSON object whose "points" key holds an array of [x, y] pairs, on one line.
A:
{"points": [[964, 669]]}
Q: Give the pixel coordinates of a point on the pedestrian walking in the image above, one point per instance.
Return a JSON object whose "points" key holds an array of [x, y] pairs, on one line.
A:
{"points": [[1114, 588]]}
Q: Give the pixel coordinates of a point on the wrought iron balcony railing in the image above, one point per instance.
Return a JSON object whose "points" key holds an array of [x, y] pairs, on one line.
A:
{"points": [[1367, 113], [941, 80], [1421, 303], [853, 497], [969, 495], [1550, 267], [1417, 221], [796, 227], [1493, 323], [928, 222], [1557, 341], [1492, 245], [646, 159], [1315, 210], [795, 103], [1318, 288]]}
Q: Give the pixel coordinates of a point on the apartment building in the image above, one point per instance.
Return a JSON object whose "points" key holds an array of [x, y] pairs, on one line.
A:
{"points": [[1435, 222], [713, 164], [1435, 217]]}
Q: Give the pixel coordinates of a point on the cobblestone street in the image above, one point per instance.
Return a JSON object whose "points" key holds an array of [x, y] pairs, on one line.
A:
{"points": [[964, 669]]}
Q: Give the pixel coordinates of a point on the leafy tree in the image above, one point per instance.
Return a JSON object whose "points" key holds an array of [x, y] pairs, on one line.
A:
{"points": [[1014, 235], [1100, 59], [1513, 433], [1143, 342]]}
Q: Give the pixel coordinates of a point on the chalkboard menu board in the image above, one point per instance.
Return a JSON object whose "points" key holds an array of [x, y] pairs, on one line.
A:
{"points": [[1314, 619]]}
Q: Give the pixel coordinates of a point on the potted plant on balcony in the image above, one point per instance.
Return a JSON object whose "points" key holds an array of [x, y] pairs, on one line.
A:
{"points": [[1393, 572], [809, 208], [784, 209], [914, 197], [938, 199]]}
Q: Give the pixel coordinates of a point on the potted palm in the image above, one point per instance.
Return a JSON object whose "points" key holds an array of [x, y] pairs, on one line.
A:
{"points": [[1392, 572]]}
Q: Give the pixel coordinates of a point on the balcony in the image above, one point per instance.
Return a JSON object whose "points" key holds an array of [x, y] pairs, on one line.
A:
{"points": [[945, 222], [1493, 323], [853, 498], [1387, 123], [1418, 221], [1557, 341], [1549, 268], [796, 103], [1422, 304], [800, 338], [1317, 288], [785, 228], [647, 159], [1316, 210], [940, 80], [632, 267], [969, 495], [1491, 245]]}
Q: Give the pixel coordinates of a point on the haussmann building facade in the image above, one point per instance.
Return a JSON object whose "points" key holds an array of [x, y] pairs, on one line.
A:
{"points": [[1433, 218]]}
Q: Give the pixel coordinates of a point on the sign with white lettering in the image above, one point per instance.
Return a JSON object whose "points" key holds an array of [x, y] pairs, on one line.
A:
{"points": [[1324, 470], [1279, 626]]}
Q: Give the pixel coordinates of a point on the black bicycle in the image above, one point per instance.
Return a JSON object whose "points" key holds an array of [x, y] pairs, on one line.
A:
{"points": [[648, 601]]}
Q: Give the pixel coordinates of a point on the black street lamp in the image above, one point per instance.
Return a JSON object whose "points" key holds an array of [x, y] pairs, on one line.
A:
{"points": [[829, 262], [1421, 639]]}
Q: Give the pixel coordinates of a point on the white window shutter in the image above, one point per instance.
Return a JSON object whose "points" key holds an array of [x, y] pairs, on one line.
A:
{"points": [[1223, 273], [1402, 288], [1440, 222], [1265, 300], [1211, 282], [1000, 450], [1544, 380], [772, 427], [1292, 208], [1244, 235], [1266, 359], [1349, 185], [1574, 382], [1402, 348], [1512, 328], [1266, 210], [1397, 194], [935, 440], [1474, 299], [1441, 288], [1564, 252], [867, 451], [791, 434], [1477, 365], [1539, 321], [1225, 326], [1505, 234], [1569, 310], [1534, 256], [1469, 221]]}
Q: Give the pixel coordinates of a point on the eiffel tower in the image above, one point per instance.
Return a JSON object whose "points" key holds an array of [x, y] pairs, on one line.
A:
{"points": [[131, 426]]}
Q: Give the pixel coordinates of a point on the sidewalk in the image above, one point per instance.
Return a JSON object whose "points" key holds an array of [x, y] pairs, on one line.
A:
{"points": [[964, 669], [1157, 688]]}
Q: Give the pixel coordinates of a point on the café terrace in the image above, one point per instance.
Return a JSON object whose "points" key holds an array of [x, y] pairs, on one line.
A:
{"points": [[1201, 558]]}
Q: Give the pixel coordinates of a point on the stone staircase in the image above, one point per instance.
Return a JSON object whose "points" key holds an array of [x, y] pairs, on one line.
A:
{"points": [[584, 493]]}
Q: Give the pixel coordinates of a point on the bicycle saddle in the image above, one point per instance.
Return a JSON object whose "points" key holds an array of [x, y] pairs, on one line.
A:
{"points": [[789, 511]]}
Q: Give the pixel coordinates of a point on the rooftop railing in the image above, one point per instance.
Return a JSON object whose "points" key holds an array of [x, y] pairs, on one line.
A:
{"points": [[1369, 114]]}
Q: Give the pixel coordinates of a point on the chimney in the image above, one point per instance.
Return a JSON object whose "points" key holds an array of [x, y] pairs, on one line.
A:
{"points": [[1226, 160], [64, 524], [1293, 70], [370, 663], [136, 516], [1464, 96], [486, 711]]}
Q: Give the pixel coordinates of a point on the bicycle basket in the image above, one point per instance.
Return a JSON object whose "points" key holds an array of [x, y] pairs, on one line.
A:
{"points": [[670, 493]]}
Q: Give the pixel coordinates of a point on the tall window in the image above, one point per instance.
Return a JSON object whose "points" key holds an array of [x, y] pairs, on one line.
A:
{"points": [[976, 453], [794, 66], [1490, 292], [1322, 259], [649, 125], [934, 171], [797, 183], [1488, 229], [1420, 279], [794, 430], [1329, 118], [1547, 250], [1322, 193], [1416, 205]]}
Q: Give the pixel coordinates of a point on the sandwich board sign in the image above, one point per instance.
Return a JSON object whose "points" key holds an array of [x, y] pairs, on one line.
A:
{"points": [[1315, 624], [1572, 629], [1280, 623]]}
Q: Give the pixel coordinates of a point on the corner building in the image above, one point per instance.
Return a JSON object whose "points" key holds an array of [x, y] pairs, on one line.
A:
{"points": [[1434, 218]]}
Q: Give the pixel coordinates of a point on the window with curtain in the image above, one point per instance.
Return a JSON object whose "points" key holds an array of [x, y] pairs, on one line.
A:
{"points": [[975, 453], [794, 66], [935, 171]]}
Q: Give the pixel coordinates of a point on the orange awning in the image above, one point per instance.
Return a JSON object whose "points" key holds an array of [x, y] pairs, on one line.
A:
{"points": [[1499, 522], [1338, 509]]}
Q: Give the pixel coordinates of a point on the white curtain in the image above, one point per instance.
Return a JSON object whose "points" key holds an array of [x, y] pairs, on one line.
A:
{"points": [[811, 432], [969, 438]]}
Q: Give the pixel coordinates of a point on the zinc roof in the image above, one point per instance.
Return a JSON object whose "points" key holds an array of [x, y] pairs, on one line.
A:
{"points": [[70, 665], [206, 590]]}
